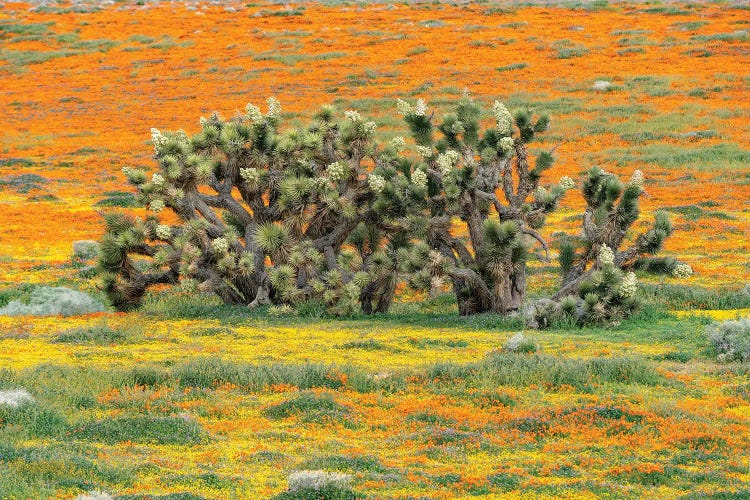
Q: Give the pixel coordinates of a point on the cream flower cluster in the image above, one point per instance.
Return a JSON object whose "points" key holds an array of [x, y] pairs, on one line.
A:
{"points": [[424, 151], [682, 271], [376, 182], [220, 245], [253, 113], [606, 255], [637, 179], [398, 143], [158, 139], [369, 127], [156, 205], [163, 232], [566, 183], [274, 108], [629, 286], [419, 178], [157, 180], [335, 171], [446, 161], [506, 144], [420, 109], [250, 175], [352, 115], [404, 108], [503, 118]]}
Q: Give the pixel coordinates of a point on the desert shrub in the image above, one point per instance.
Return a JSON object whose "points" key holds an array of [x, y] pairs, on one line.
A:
{"points": [[84, 250], [731, 339], [52, 301], [15, 397]]}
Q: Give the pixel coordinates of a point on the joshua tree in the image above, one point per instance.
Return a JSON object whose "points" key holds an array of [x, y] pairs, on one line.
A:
{"points": [[611, 209], [593, 263], [473, 236], [258, 215]]}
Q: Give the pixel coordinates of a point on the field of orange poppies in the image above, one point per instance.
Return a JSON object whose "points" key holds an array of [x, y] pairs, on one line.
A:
{"points": [[188, 398]]}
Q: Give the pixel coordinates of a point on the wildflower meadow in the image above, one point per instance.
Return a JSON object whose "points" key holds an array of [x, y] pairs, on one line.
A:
{"points": [[374, 250]]}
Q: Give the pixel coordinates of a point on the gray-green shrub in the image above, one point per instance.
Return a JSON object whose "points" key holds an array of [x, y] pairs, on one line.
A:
{"points": [[731, 339], [53, 301]]}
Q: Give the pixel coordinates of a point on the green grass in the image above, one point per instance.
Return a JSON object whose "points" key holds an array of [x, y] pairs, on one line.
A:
{"points": [[24, 29], [212, 372], [27, 57], [566, 49], [419, 49], [101, 334], [292, 59], [725, 156], [37, 420], [688, 26], [24, 183], [344, 463], [281, 13], [669, 10], [523, 370], [142, 429], [678, 297], [117, 199], [366, 345], [737, 36], [310, 407], [512, 67], [695, 212]]}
